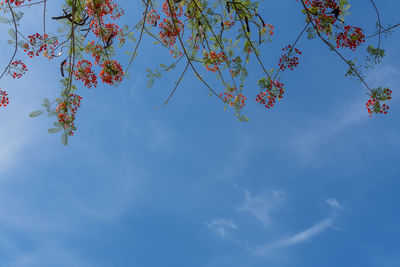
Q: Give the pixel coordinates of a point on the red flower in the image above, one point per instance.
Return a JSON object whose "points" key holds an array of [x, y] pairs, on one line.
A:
{"points": [[112, 72], [4, 101]]}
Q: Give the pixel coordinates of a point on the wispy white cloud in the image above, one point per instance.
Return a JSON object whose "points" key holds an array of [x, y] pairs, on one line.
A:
{"points": [[233, 163], [105, 192], [222, 227], [47, 255], [307, 142], [295, 239], [30, 214], [154, 133], [263, 204], [332, 202], [384, 75], [110, 199], [17, 130], [13, 147]]}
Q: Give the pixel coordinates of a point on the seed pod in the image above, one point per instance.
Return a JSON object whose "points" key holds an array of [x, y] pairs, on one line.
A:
{"points": [[262, 21], [62, 67], [247, 24], [61, 17]]}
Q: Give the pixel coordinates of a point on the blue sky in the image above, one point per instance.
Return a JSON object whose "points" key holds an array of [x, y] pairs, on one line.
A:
{"points": [[312, 182]]}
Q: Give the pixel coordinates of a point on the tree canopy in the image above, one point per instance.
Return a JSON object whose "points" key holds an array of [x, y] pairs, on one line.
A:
{"points": [[214, 39]]}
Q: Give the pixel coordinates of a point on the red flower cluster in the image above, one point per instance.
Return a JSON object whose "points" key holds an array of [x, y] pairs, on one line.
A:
{"points": [[177, 9], [289, 59], [322, 5], [175, 53], [16, 2], [96, 51], [17, 69], [112, 72], [213, 60], [351, 37], [103, 8], [106, 31], [226, 96], [169, 32], [99, 11], [273, 91], [66, 110], [268, 28], [38, 43], [84, 73], [228, 24], [323, 20], [4, 98], [238, 101], [373, 105], [153, 17]]}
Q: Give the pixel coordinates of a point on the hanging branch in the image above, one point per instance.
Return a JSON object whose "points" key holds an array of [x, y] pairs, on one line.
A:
{"points": [[16, 40], [334, 48]]}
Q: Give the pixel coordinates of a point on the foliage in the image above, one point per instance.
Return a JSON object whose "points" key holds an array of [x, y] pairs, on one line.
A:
{"points": [[219, 37]]}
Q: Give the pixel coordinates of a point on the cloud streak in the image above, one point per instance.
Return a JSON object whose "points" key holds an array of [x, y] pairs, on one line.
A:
{"points": [[295, 239], [222, 227], [332, 202], [308, 142], [262, 205]]}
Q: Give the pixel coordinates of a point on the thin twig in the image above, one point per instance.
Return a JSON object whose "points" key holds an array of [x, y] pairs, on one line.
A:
{"points": [[44, 17], [16, 40], [379, 23], [385, 30], [293, 45], [140, 36], [186, 54], [176, 86]]}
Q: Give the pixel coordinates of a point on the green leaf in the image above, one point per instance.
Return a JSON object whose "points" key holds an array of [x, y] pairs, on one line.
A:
{"points": [[64, 138], [131, 38], [21, 44], [62, 29], [150, 83], [46, 103], [11, 32], [121, 44], [36, 113], [243, 118], [4, 20], [54, 130], [346, 7]]}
